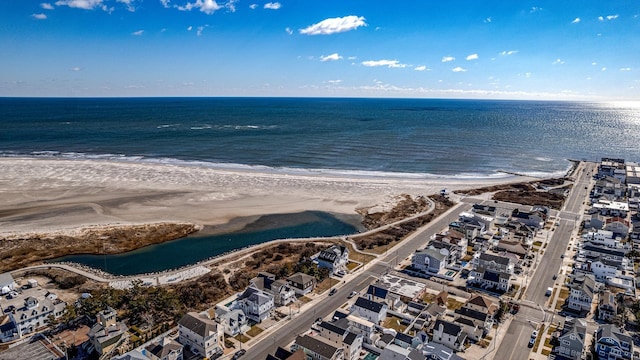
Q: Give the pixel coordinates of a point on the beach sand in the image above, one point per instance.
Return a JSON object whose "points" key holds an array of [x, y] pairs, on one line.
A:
{"points": [[43, 195]]}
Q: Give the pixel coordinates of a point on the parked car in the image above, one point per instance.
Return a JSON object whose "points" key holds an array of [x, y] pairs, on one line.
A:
{"points": [[239, 354], [555, 277], [332, 292], [534, 334], [531, 342], [353, 293]]}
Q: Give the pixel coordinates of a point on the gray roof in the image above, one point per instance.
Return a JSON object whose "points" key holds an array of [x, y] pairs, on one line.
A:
{"points": [[440, 352], [300, 278], [495, 258], [6, 279], [34, 349], [614, 332], [434, 253], [199, 324], [350, 338], [317, 346], [333, 327]]}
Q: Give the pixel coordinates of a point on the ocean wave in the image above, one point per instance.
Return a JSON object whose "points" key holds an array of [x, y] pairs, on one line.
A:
{"points": [[345, 173], [164, 126]]}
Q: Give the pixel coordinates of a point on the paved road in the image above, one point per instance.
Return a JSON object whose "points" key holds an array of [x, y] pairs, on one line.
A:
{"points": [[303, 321], [514, 344]]}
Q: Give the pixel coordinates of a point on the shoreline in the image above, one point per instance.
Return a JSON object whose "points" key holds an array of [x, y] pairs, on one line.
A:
{"points": [[43, 195]]}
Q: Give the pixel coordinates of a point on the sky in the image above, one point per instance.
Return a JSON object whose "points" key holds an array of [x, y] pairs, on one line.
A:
{"points": [[548, 50]]}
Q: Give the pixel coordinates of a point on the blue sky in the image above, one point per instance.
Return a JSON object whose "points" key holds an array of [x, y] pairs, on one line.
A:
{"points": [[565, 50]]}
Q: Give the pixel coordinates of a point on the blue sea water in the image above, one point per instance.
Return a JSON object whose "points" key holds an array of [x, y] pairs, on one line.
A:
{"points": [[383, 137], [418, 138]]}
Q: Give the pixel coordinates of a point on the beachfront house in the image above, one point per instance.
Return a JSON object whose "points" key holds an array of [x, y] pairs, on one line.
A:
{"points": [[301, 284], [108, 334], [201, 335], [164, 349], [255, 303], [234, 322], [35, 313], [281, 291], [335, 258]]}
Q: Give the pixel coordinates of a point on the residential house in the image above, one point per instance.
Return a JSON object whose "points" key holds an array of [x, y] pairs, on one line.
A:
{"points": [[164, 349], [571, 343], [430, 260], [35, 314], [435, 351], [302, 284], [481, 319], [382, 294], [335, 258], [596, 221], [582, 292], [591, 250], [470, 328], [108, 334], [612, 167], [512, 247], [613, 343], [495, 262], [469, 227], [7, 284], [533, 219], [490, 279], [281, 291], [482, 304], [315, 347], [607, 307], [201, 335], [456, 248], [373, 311], [339, 334], [282, 354], [233, 322], [633, 173], [618, 226], [395, 352], [256, 304], [362, 326], [449, 334], [484, 209], [611, 208], [602, 237]]}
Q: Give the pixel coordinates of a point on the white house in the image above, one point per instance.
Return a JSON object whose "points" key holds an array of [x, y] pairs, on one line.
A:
{"points": [[35, 313], [255, 303], [449, 335], [582, 292], [370, 310], [335, 258], [201, 335]]}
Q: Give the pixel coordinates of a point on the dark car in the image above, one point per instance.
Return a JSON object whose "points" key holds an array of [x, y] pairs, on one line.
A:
{"points": [[531, 342], [239, 354], [333, 291]]}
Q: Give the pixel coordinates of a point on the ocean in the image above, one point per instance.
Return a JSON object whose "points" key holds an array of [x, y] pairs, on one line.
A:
{"points": [[419, 138]]}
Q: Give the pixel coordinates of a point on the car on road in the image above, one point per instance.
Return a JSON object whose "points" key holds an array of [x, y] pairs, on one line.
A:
{"points": [[562, 256], [353, 293], [555, 277], [549, 291], [534, 334], [332, 292], [239, 354], [531, 342]]}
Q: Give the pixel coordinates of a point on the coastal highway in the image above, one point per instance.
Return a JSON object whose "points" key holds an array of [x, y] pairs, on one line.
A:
{"points": [[328, 304], [514, 344]]}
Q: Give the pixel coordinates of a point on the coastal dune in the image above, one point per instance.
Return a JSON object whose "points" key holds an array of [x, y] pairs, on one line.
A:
{"points": [[43, 195]]}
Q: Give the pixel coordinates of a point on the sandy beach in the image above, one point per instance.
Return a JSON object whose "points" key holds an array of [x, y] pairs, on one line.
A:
{"points": [[42, 195]]}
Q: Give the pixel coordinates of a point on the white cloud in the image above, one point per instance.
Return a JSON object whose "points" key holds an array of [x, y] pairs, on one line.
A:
{"points": [[575, 21], [603, 69], [600, 18], [334, 25], [206, 6], [387, 63], [557, 62], [611, 17], [231, 5], [447, 58], [487, 20], [594, 63], [76, 68], [352, 57], [137, 33], [46, 6], [332, 57], [472, 57], [199, 30], [129, 4], [165, 3], [289, 31], [527, 74], [421, 68], [625, 69], [253, 6], [508, 52], [458, 69], [535, 9], [39, 16], [272, 5], [82, 4], [190, 28], [334, 81]]}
